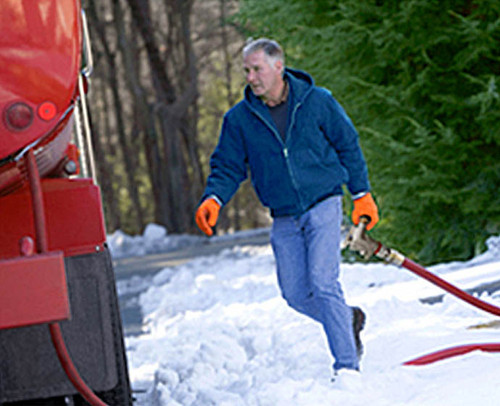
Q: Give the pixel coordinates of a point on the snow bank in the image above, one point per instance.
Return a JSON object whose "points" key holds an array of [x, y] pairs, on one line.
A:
{"points": [[218, 333], [156, 239], [153, 240]]}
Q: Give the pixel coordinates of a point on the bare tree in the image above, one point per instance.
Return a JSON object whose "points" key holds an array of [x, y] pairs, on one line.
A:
{"points": [[173, 102], [127, 152], [164, 67]]}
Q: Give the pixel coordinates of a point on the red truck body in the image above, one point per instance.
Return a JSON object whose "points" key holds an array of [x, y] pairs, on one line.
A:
{"points": [[40, 56], [69, 277]]}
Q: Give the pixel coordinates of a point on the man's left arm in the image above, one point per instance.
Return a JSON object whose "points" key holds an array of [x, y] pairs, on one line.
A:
{"points": [[344, 138]]}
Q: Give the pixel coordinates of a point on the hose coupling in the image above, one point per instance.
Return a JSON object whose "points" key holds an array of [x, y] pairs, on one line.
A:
{"points": [[358, 240]]}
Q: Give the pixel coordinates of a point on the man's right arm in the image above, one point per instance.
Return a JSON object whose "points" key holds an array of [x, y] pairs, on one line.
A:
{"points": [[228, 170], [228, 164]]}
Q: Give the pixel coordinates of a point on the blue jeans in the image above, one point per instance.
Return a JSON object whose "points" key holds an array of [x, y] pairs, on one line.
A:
{"points": [[307, 252]]}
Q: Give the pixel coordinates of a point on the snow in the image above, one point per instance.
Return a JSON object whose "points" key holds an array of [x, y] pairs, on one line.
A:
{"points": [[217, 332], [155, 239]]}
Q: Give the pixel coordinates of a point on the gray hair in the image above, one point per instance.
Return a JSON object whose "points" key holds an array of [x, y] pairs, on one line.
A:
{"points": [[271, 49]]}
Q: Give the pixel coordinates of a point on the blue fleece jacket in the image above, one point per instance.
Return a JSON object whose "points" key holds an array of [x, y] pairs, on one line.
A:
{"points": [[320, 154]]}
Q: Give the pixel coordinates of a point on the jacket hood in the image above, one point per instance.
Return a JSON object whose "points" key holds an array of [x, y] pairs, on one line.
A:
{"points": [[301, 83]]}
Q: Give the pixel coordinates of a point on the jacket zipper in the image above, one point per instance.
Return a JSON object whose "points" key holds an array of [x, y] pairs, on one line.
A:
{"points": [[285, 149], [288, 165]]}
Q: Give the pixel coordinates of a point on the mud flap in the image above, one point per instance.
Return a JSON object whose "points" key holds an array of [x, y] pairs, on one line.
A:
{"points": [[29, 368]]}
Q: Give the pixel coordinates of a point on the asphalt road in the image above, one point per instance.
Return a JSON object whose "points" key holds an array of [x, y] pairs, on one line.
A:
{"points": [[151, 264]]}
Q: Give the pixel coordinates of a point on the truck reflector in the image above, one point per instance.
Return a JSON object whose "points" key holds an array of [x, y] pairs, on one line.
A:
{"points": [[19, 116]]}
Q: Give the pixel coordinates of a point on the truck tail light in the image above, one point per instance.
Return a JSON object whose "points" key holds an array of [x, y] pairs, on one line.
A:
{"points": [[48, 152], [19, 116]]}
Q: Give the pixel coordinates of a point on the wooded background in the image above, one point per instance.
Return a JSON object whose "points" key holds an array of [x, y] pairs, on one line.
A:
{"points": [[420, 80]]}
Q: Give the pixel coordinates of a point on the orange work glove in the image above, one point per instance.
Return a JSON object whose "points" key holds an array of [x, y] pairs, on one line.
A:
{"points": [[365, 206], [206, 215]]}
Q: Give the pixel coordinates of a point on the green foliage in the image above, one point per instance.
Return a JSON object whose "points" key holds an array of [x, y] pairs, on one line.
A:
{"points": [[420, 80]]}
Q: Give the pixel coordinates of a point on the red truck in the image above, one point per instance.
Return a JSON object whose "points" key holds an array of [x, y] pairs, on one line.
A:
{"points": [[61, 338]]}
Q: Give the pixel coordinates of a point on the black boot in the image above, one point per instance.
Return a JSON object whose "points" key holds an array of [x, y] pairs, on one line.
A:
{"points": [[358, 323]]}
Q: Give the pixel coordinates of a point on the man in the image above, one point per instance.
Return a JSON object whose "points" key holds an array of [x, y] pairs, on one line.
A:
{"points": [[300, 147]]}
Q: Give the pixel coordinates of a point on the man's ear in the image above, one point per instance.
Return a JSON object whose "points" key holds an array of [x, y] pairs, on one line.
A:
{"points": [[279, 66]]}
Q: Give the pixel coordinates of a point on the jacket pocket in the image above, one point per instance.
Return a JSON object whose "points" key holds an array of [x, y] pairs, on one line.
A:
{"points": [[271, 180], [317, 174]]}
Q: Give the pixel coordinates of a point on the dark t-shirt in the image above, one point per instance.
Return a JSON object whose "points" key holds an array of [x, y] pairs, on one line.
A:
{"points": [[279, 114]]}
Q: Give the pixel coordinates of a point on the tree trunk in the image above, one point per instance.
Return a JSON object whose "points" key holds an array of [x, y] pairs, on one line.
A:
{"points": [[144, 118], [130, 170], [104, 169], [172, 100]]}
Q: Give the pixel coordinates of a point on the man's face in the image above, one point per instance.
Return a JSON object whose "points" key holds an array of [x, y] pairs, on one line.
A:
{"points": [[264, 79]]}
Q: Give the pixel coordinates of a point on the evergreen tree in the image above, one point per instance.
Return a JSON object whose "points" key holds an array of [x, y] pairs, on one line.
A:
{"points": [[420, 79]]}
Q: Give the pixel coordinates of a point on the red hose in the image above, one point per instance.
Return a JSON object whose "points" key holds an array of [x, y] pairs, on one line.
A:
{"points": [[462, 349], [42, 246], [69, 367], [37, 202], [453, 352], [359, 241], [422, 272]]}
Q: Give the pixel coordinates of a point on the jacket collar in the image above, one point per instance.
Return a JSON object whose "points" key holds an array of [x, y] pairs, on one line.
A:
{"points": [[300, 84]]}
